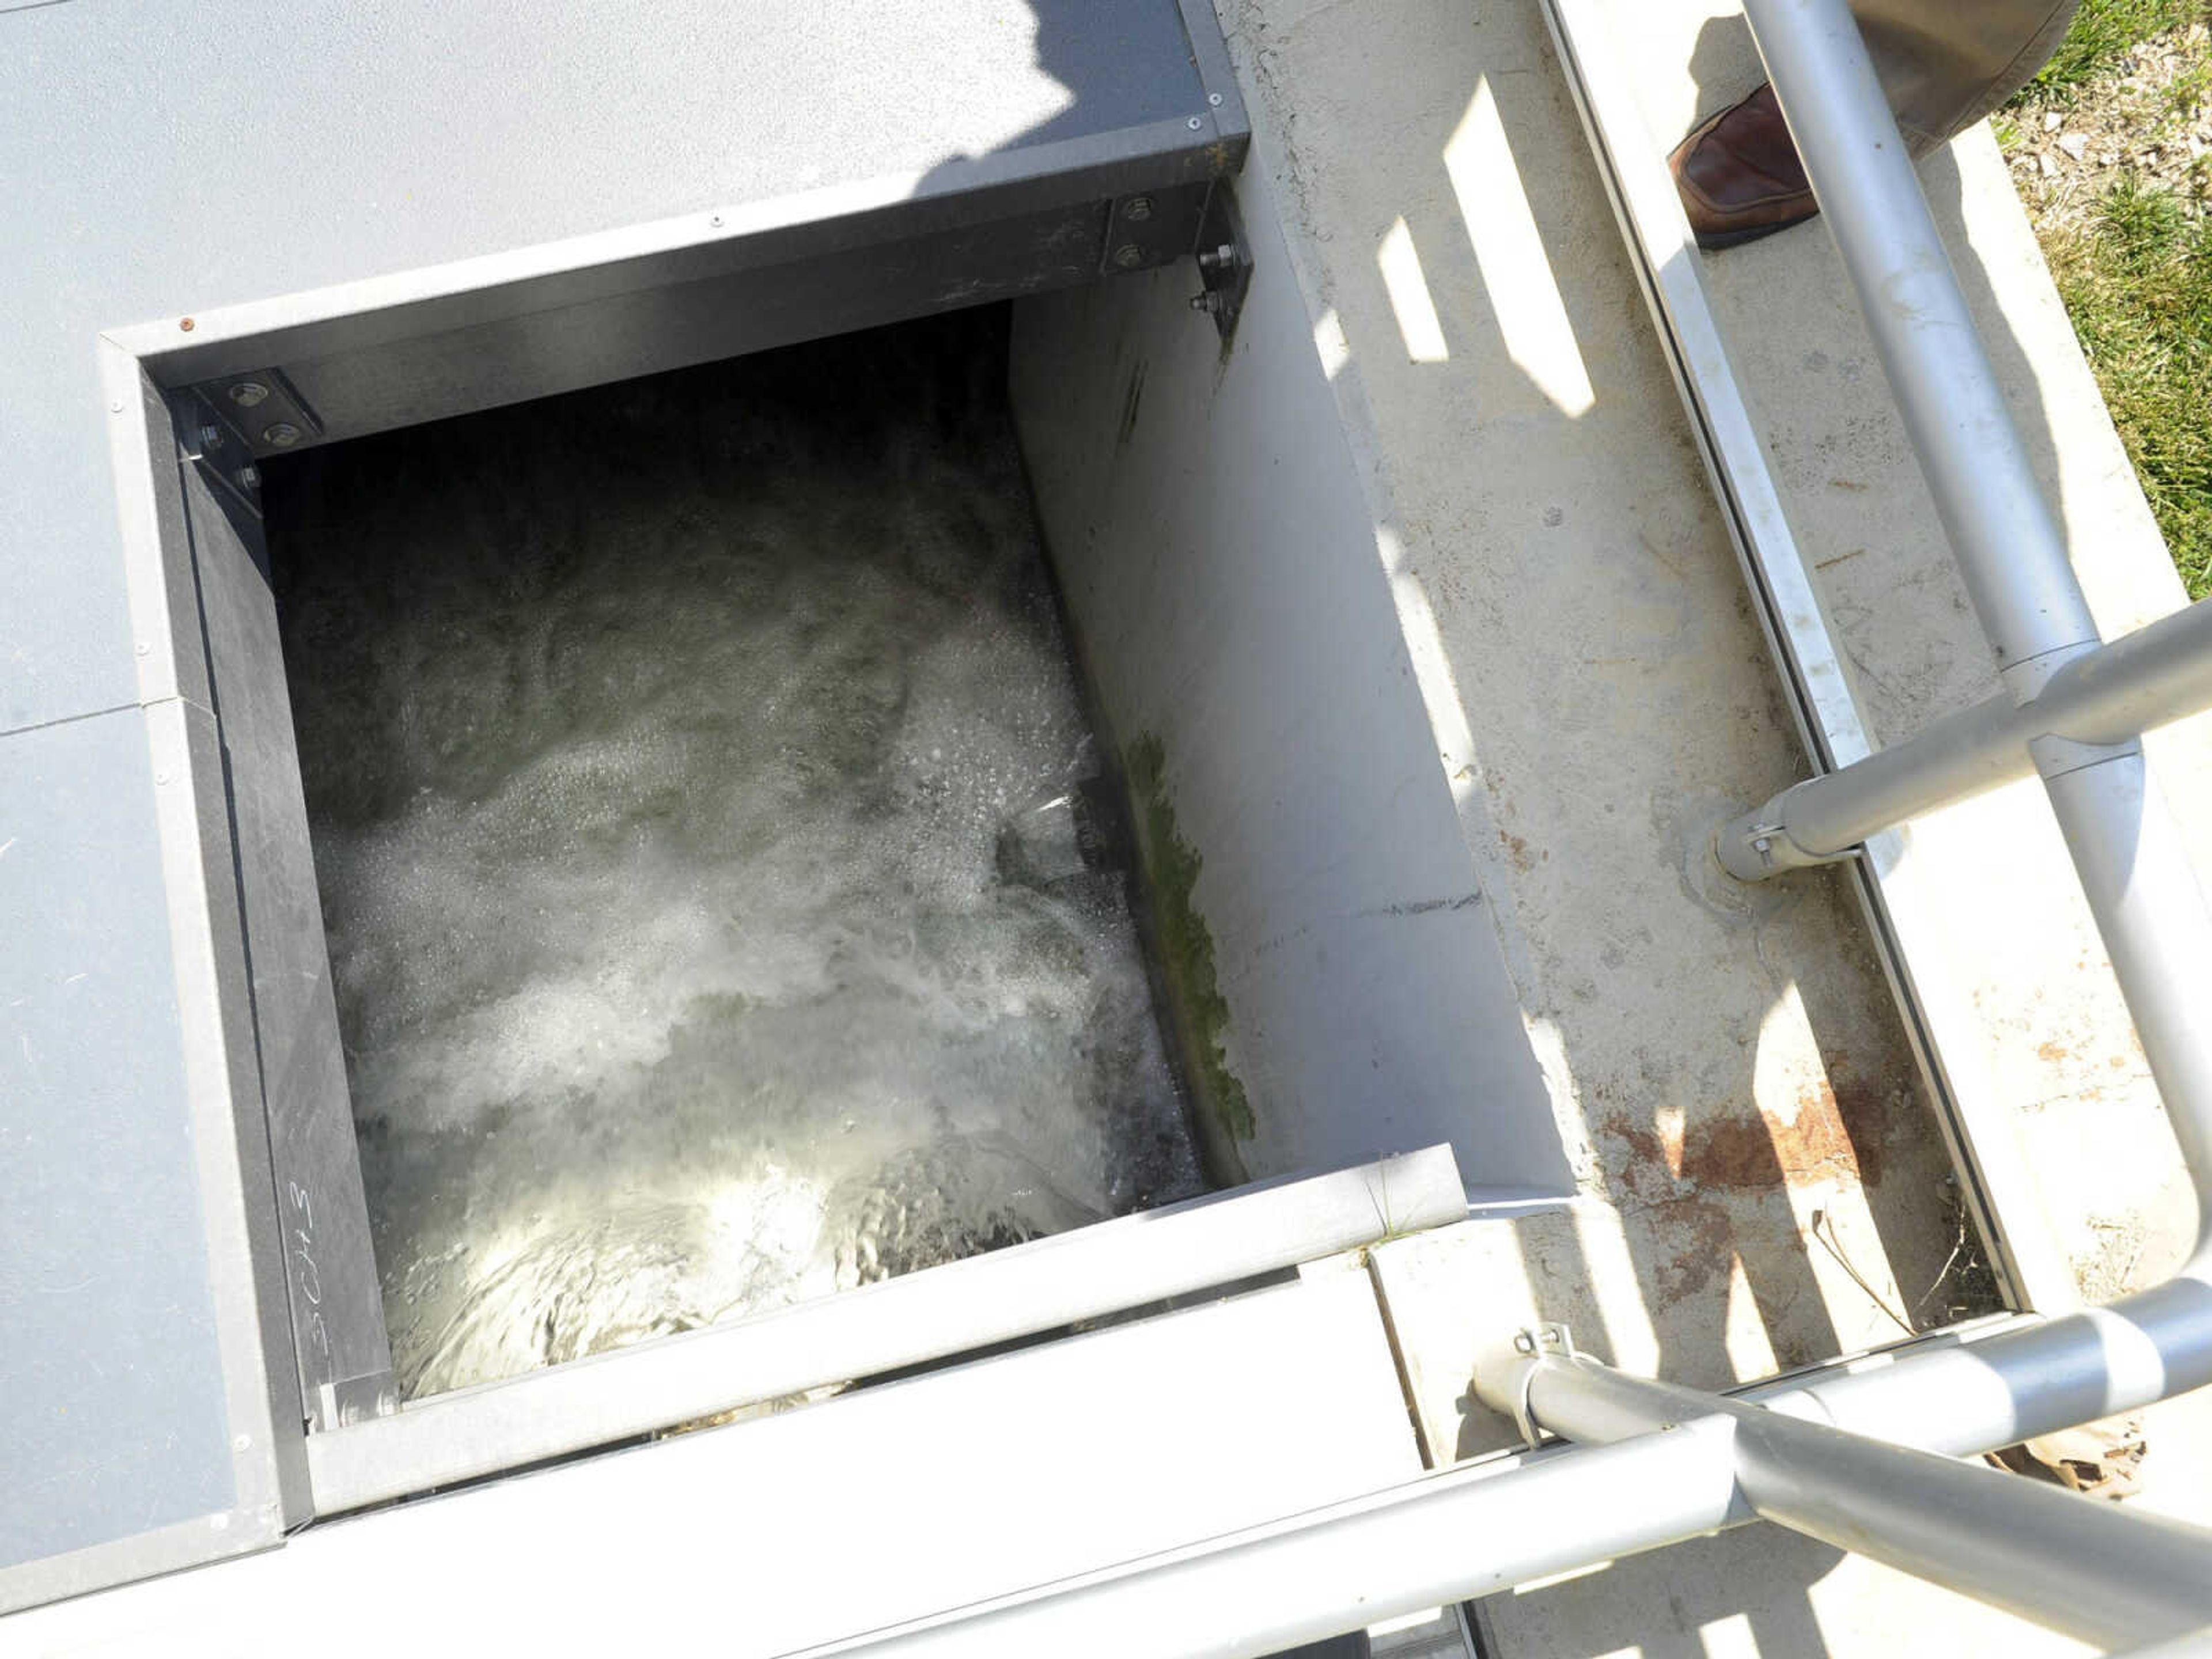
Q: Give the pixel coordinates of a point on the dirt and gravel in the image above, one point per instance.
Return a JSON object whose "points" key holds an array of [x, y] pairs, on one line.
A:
{"points": [[2151, 118]]}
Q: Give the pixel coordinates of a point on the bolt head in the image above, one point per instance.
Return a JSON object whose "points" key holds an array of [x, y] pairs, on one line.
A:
{"points": [[1128, 256], [249, 477], [1137, 207], [246, 394], [1196, 123], [211, 437], [281, 434], [1214, 98]]}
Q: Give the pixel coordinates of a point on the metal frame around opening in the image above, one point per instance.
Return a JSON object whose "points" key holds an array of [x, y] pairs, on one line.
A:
{"points": [[418, 345]]}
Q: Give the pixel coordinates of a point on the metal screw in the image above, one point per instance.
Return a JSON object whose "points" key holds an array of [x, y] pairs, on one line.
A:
{"points": [[249, 477], [1137, 207], [246, 394], [1195, 124], [1214, 98], [1128, 256], [281, 434], [716, 222], [211, 437], [1217, 259], [1211, 300], [185, 324]]}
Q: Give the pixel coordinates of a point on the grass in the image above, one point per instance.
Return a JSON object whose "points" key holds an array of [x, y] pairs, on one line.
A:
{"points": [[2103, 31], [2138, 285], [2135, 274]]}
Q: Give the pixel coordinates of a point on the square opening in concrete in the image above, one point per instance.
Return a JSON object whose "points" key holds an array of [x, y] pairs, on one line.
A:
{"points": [[727, 898]]}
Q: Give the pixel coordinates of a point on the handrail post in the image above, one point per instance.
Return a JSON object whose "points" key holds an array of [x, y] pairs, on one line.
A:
{"points": [[2100, 1573], [2103, 697], [2009, 548]]}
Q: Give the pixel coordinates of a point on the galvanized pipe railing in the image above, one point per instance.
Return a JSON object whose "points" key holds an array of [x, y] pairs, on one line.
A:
{"points": [[2010, 550], [2101, 699], [2142, 888], [2091, 1569], [1447, 1537]]}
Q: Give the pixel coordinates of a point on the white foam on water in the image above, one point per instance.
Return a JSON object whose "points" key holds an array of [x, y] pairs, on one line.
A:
{"points": [[690, 768]]}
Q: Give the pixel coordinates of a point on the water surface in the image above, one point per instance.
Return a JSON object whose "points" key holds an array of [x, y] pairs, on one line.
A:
{"points": [[724, 907]]}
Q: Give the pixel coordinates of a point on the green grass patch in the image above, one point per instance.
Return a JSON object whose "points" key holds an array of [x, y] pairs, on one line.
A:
{"points": [[2138, 285], [2102, 31]]}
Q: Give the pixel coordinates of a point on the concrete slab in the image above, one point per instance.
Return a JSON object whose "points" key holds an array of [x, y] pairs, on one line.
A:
{"points": [[1760, 1178], [814, 1525], [1727, 1065], [2057, 1041]]}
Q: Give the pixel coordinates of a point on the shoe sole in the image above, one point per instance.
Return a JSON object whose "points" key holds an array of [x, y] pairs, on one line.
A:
{"points": [[1714, 240]]}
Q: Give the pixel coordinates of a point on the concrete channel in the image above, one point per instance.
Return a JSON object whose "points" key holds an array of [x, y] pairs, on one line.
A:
{"points": [[1420, 668]]}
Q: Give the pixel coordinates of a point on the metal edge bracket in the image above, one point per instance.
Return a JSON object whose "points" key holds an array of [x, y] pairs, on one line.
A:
{"points": [[211, 441], [1534, 1343], [262, 410], [1224, 261]]}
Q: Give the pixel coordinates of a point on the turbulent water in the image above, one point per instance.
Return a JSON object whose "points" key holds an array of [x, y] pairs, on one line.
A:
{"points": [[720, 903]]}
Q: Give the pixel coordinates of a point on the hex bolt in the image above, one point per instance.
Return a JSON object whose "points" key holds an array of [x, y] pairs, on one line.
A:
{"points": [[1128, 256], [1211, 300], [1137, 208], [249, 477], [246, 394], [1196, 123], [1214, 98], [211, 437], [1217, 259], [282, 434]]}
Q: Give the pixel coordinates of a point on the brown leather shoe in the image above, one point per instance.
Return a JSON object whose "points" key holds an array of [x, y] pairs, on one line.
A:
{"points": [[1739, 174]]}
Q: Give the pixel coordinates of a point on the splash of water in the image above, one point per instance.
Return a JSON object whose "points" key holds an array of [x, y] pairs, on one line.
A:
{"points": [[719, 903]]}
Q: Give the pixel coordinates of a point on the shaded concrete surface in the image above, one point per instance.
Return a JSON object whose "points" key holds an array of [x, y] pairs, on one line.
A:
{"points": [[1762, 1181]]}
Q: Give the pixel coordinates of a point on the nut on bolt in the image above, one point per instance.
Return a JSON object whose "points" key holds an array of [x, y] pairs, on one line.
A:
{"points": [[1128, 256], [1217, 259], [211, 436], [280, 435], [246, 394], [1211, 300], [1137, 208], [249, 477]]}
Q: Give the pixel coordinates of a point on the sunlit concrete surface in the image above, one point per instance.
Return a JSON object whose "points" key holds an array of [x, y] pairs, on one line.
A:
{"points": [[1761, 1176]]}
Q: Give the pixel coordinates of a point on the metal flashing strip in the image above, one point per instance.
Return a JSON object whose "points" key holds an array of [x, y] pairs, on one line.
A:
{"points": [[932, 1315], [1941, 1024]]}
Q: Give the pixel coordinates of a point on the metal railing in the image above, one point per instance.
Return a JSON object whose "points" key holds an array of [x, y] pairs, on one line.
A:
{"points": [[2079, 707], [1862, 1459]]}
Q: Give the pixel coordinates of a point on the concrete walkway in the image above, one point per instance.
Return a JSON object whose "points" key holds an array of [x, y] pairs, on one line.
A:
{"points": [[1763, 1181]]}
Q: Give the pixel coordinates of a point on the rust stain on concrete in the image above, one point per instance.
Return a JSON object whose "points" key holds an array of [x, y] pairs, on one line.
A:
{"points": [[1838, 1133]]}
